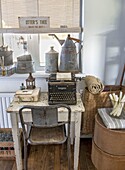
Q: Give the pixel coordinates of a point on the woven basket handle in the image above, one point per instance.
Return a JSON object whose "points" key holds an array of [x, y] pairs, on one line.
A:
{"points": [[121, 81]]}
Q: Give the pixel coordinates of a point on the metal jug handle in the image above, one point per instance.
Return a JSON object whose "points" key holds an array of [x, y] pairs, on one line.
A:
{"points": [[81, 46], [76, 41]]}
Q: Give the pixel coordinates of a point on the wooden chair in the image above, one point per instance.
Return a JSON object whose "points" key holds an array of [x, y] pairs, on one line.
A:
{"points": [[45, 128]]}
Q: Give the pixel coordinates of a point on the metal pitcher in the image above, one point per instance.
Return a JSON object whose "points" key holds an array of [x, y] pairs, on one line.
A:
{"points": [[68, 56]]}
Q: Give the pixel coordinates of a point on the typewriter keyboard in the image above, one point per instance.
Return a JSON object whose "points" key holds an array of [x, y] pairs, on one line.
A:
{"points": [[64, 97]]}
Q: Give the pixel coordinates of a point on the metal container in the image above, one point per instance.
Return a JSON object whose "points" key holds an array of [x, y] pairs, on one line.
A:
{"points": [[25, 67], [51, 61], [25, 64], [8, 57], [68, 57]]}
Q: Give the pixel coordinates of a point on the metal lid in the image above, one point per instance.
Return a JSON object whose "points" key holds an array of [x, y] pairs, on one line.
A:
{"points": [[52, 50], [69, 43]]}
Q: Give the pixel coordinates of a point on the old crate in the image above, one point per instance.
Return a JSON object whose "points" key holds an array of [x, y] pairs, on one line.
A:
{"points": [[7, 144]]}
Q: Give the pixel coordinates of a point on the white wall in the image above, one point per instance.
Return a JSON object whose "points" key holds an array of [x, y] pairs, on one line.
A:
{"points": [[10, 84], [104, 39]]}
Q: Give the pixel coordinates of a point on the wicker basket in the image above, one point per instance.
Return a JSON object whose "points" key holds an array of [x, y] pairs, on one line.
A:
{"points": [[94, 101]]}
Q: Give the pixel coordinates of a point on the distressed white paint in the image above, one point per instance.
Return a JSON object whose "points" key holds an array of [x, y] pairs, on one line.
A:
{"points": [[75, 117]]}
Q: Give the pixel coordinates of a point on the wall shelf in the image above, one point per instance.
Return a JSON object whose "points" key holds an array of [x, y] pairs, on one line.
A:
{"points": [[40, 30]]}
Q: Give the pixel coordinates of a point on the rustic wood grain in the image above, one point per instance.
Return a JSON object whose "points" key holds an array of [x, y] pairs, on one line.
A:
{"points": [[54, 157]]}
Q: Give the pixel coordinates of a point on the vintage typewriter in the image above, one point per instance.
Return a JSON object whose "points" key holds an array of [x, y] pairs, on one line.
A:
{"points": [[61, 91]]}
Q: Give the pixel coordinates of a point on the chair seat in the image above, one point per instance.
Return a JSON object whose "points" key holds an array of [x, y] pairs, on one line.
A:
{"points": [[49, 135], [45, 128]]}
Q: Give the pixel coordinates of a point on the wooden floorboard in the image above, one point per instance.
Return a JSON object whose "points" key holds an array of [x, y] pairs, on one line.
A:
{"points": [[85, 162], [6, 166], [53, 158]]}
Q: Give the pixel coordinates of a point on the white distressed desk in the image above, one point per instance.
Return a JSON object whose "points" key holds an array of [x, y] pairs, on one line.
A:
{"points": [[77, 109]]}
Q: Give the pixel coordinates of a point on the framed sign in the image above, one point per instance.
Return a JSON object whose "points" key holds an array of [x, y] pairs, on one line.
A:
{"points": [[34, 22]]}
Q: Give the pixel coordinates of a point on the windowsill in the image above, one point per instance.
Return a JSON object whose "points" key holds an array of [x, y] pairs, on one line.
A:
{"points": [[36, 74], [10, 84]]}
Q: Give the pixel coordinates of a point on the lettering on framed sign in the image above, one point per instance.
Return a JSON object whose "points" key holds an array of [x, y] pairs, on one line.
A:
{"points": [[34, 22]]}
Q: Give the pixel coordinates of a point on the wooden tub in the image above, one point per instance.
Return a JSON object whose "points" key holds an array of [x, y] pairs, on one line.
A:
{"points": [[105, 161], [109, 141]]}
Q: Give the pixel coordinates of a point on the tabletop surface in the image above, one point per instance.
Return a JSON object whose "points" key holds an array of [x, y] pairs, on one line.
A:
{"points": [[43, 101]]}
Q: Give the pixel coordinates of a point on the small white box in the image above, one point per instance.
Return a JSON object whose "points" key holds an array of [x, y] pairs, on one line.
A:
{"points": [[27, 95]]}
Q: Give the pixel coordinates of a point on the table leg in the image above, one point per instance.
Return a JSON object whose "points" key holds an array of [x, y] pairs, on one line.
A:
{"points": [[72, 132], [77, 139], [16, 138]]}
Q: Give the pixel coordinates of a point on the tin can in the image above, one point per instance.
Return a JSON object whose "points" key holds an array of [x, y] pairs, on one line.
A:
{"points": [[51, 61]]}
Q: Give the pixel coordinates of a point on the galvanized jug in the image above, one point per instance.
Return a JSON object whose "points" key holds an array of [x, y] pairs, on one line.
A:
{"points": [[68, 56]]}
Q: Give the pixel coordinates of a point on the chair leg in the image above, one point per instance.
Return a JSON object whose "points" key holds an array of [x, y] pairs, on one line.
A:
{"points": [[69, 153], [25, 155]]}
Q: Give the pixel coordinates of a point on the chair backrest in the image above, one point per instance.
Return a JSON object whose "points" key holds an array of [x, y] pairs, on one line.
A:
{"points": [[45, 116]]}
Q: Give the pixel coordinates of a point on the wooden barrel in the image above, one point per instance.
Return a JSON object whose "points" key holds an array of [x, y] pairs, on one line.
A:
{"points": [[105, 161], [109, 141]]}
